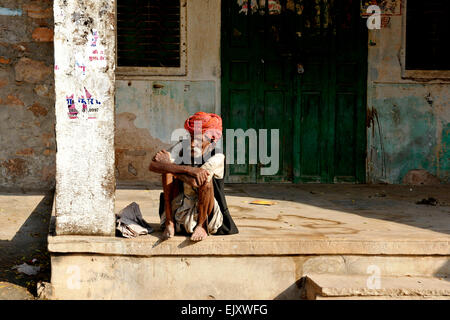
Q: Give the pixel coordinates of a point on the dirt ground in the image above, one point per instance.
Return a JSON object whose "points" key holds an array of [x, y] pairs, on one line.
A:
{"points": [[23, 239]]}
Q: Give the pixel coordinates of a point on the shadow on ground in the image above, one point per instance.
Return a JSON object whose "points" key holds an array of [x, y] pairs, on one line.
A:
{"points": [[30, 242]]}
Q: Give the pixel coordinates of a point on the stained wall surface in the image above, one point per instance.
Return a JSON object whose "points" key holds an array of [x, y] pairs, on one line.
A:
{"points": [[149, 108], [408, 120]]}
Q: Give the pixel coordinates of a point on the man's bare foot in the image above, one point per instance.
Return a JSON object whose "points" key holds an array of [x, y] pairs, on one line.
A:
{"points": [[199, 234], [169, 231]]}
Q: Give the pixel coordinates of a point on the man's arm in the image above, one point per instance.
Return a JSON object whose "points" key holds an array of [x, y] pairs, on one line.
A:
{"points": [[190, 180], [161, 163]]}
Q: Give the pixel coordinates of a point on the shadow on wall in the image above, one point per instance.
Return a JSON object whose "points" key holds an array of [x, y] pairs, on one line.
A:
{"points": [[30, 242], [296, 291], [444, 272]]}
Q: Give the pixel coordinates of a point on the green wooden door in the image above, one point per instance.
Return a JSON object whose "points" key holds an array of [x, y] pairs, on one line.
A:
{"points": [[300, 67]]}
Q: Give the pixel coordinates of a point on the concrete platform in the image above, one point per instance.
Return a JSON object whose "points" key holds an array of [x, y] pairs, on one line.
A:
{"points": [[320, 229], [361, 220]]}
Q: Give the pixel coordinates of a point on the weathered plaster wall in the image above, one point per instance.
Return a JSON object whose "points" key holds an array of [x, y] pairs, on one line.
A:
{"points": [[408, 120], [149, 109], [27, 118], [85, 88]]}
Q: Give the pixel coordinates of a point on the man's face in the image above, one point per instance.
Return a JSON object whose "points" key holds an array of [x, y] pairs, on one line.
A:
{"points": [[199, 145]]}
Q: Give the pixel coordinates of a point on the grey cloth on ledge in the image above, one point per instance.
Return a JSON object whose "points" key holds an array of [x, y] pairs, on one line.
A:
{"points": [[130, 222]]}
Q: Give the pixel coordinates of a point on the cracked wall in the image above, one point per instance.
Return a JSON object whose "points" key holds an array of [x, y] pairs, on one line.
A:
{"points": [[408, 120]]}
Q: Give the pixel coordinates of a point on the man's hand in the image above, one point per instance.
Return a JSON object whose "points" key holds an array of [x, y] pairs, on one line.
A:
{"points": [[188, 179], [200, 175], [196, 177], [162, 156]]}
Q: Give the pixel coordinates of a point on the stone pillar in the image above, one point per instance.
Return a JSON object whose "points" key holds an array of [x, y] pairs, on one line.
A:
{"points": [[85, 87]]}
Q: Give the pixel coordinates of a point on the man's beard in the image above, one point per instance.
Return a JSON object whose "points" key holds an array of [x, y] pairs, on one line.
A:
{"points": [[196, 152]]}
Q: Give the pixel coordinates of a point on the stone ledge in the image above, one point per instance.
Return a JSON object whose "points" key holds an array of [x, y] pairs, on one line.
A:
{"points": [[335, 286], [239, 245]]}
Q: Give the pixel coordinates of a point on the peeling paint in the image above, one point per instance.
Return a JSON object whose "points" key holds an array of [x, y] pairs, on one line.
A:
{"points": [[406, 135], [414, 114], [147, 112], [135, 148]]}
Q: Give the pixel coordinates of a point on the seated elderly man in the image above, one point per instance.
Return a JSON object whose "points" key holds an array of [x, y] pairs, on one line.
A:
{"points": [[193, 200]]}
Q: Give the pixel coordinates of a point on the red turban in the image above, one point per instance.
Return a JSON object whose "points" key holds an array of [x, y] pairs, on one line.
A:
{"points": [[211, 124]]}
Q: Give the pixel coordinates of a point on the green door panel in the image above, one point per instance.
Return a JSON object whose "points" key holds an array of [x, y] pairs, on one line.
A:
{"points": [[302, 72]]}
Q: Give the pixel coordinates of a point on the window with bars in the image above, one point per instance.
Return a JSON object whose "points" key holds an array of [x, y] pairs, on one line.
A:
{"points": [[149, 33], [427, 35]]}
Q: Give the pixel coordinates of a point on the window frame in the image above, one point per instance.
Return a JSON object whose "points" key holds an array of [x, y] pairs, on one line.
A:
{"points": [[124, 72], [417, 74]]}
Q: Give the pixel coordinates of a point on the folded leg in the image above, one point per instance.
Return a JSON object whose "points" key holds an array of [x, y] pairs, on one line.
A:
{"points": [[205, 207], [170, 188]]}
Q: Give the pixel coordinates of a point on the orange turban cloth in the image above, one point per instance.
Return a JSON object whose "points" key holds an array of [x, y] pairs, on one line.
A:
{"points": [[211, 124]]}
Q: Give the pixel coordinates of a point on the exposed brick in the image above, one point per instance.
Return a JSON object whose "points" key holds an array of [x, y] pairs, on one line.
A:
{"points": [[4, 60], [22, 47], [3, 82], [41, 90], [12, 100], [25, 152], [15, 100], [19, 46], [42, 35], [47, 139], [420, 177], [37, 12], [32, 71], [48, 173], [48, 152], [15, 167], [38, 110]]}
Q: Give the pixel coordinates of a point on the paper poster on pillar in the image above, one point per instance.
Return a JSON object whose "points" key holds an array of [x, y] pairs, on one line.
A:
{"points": [[83, 105], [95, 52], [85, 102]]}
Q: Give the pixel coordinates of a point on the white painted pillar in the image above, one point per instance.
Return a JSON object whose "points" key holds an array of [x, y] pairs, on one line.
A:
{"points": [[85, 86]]}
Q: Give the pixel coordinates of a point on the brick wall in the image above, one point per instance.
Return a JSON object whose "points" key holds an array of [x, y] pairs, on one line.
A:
{"points": [[27, 118]]}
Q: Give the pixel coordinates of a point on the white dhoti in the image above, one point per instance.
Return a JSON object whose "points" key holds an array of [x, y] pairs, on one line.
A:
{"points": [[185, 204], [185, 214]]}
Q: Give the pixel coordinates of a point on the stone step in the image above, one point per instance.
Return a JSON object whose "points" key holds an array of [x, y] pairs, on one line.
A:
{"points": [[358, 287], [396, 266]]}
